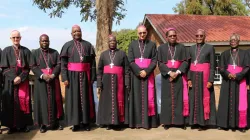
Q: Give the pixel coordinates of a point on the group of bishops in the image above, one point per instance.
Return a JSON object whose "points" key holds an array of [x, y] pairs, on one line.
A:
{"points": [[125, 84]]}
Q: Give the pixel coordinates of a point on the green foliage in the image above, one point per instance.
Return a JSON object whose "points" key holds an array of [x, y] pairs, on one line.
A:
{"points": [[87, 8], [124, 38], [212, 7]]}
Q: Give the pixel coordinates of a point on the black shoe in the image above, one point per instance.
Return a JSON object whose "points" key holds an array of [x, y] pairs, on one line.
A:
{"points": [[87, 128], [75, 128], [25, 129], [166, 127], [184, 127], [11, 130], [43, 129], [242, 130], [233, 129], [201, 128], [108, 127], [60, 127]]}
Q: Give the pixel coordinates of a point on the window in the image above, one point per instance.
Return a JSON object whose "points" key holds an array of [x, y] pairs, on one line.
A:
{"points": [[217, 76]]}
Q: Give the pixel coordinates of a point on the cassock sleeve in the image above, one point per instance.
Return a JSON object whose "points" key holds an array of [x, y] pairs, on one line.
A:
{"points": [[33, 65], [183, 57], [135, 68], [188, 61], [152, 65], [212, 65], [7, 71], [100, 72], [25, 72], [242, 74], [223, 66], [93, 65], [161, 64], [57, 68], [64, 62], [127, 70]]}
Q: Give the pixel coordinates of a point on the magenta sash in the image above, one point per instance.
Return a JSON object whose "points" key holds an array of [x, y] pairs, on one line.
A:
{"points": [[205, 68], [242, 97], [120, 91], [24, 94], [84, 67], [80, 67], [176, 65], [57, 93], [151, 86]]}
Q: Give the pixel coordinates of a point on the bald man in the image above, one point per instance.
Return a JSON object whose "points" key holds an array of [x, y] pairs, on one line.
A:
{"points": [[48, 105], [200, 81], [78, 67], [232, 108], [142, 57], [16, 109]]}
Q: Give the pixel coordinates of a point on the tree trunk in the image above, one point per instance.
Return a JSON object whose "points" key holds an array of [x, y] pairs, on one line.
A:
{"points": [[105, 9]]}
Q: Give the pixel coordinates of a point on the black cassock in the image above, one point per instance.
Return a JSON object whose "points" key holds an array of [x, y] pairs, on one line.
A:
{"points": [[13, 113], [248, 95], [204, 55], [113, 103], [48, 105], [79, 98], [1, 87], [141, 112], [228, 108], [172, 92]]}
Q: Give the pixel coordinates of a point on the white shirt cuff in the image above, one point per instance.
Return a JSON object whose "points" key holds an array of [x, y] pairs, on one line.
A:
{"points": [[169, 72], [178, 71], [41, 77]]}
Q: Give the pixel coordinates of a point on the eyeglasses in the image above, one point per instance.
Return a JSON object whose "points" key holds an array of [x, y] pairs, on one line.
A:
{"points": [[172, 36], [201, 36], [18, 37], [46, 41], [142, 33]]}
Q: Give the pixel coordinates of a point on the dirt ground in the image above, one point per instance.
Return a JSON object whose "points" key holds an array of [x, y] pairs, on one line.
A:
{"points": [[130, 134]]}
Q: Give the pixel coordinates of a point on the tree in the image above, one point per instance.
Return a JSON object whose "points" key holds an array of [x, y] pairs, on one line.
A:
{"points": [[124, 38], [104, 12], [212, 7]]}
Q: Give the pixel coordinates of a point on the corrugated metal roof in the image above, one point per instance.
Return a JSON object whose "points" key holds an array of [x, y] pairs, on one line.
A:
{"points": [[218, 28]]}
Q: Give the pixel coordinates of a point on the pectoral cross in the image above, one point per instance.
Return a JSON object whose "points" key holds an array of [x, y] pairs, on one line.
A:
{"points": [[48, 69], [141, 59], [195, 62], [81, 58], [234, 65], [111, 65], [173, 61], [18, 61]]}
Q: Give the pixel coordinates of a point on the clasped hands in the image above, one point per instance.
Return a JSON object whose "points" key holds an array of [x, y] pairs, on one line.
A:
{"points": [[143, 74], [232, 76], [173, 75], [48, 77]]}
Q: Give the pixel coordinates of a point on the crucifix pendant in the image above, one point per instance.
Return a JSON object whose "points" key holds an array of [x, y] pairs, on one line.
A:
{"points": [[173, 61], [195, 62], [234, 65], [48, 68], [18, 61], [141, 58], [81, 58], [111, 65]]}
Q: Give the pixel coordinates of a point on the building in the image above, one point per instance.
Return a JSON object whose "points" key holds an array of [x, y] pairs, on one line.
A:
{"points": [[218, 30]]}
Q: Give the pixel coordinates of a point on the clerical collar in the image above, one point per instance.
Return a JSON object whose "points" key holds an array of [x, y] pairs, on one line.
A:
{"points": [[44, 50], [142, 41], [234, 49], [112, 50], [200, 44], [16, 47]]}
